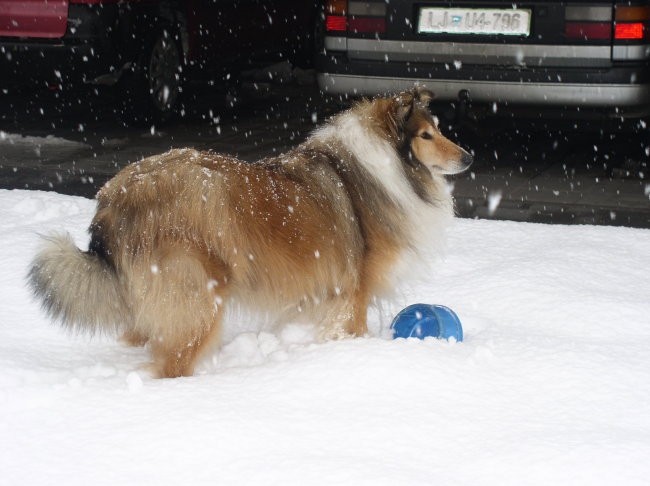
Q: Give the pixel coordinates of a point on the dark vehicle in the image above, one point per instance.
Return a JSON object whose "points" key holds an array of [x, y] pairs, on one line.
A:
{"points": [[146, 47], [582, 54]]}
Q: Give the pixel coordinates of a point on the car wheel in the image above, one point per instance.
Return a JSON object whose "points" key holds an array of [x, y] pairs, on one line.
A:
{"points": [[152, 89], [163, 72]]}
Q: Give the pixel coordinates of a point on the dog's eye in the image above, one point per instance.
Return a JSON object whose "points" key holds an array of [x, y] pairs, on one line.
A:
{"points": [[426, 136]]}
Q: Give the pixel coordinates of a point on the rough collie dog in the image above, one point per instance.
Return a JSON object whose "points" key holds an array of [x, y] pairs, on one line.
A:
{"points": [[318, 231]]}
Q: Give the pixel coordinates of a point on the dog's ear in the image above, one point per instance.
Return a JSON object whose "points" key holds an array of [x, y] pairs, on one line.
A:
{"points": [[397, 110], [402, 106], [423, 95], [405, 102]]}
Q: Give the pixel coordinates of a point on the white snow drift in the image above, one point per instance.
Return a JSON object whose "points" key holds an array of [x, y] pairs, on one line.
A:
{"points": [[550, 386]]}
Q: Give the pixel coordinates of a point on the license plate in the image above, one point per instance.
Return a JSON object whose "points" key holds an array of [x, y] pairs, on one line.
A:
{"points": [[482, 21]]}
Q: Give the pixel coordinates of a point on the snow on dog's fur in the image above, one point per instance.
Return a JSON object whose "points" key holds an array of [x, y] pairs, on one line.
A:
{"points": [[318, 231]]}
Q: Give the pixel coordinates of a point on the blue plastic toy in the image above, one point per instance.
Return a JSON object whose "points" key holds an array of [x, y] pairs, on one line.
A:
{"points": [[422, 320]]}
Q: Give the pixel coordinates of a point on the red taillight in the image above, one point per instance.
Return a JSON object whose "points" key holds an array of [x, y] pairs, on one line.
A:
{"points": [[629, 31], [355, 17], [587, 23], [336, 23], [368, 25], [632, 23], [588, 30], [336, 19]]}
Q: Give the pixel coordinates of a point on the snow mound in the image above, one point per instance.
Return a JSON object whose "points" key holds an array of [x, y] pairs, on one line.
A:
{"points": [[8, 139], [550, 386]]}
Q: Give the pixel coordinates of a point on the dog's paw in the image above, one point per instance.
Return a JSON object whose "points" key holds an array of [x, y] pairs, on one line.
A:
{"points": [[149, 369], [333, 333]]}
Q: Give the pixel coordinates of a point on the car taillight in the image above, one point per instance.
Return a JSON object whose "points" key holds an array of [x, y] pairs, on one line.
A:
{"points": [[336, 16], [588, 23], [629, 31], [367, 24], [365, 17], [597, 23], [336, 23], [94, 2], [588, 30], [632, 23]]}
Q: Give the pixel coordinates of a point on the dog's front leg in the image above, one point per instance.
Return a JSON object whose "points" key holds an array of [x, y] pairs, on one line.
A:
{"points": [[345, 317]]}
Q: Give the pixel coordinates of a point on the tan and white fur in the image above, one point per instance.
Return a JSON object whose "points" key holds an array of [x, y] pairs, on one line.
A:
{"points": [[317, 231]]}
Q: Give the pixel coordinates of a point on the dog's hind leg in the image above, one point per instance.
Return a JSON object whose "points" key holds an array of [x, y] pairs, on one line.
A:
{"points": [[133, 338], [181, 308], [173, 358]]}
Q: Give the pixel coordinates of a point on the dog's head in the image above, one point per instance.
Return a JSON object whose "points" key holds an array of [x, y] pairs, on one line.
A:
{"points": [[417, 135]]}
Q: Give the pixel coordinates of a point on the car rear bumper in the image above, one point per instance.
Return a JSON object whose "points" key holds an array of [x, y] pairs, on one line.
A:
{"points": [[624, 96], [620, 88]]}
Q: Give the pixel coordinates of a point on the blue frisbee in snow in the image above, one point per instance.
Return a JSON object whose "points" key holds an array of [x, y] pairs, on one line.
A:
{"points": [[422, 320]]}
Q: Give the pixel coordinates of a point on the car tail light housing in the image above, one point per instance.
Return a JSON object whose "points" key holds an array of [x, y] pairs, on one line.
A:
{"points": [[336, 16], [599, 23], [626, 27], [354, 17], [588, 23], [632, 23]]}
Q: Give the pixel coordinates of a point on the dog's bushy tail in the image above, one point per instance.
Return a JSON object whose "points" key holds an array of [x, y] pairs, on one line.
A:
{"points": [[81, 289]]}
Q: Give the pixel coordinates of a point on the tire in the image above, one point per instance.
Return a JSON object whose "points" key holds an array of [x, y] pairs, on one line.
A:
{"points": [[153, 87]]}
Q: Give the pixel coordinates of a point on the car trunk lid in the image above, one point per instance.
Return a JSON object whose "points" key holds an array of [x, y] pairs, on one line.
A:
{"points": [[33, 18]]}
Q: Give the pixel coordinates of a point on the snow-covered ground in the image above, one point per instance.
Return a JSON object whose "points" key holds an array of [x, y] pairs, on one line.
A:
{"points": [[550, 386]]}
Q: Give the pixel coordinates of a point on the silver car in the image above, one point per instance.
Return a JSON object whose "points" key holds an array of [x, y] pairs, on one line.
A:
{"points": [[580, 54]]}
